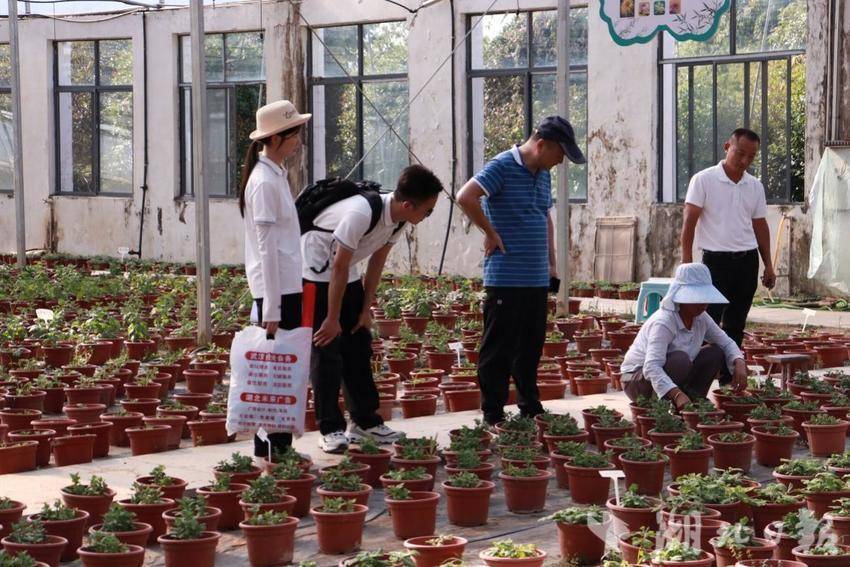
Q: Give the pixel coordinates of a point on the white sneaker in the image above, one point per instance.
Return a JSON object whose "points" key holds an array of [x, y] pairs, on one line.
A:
{"points": [[336, 442], [380, 433]]}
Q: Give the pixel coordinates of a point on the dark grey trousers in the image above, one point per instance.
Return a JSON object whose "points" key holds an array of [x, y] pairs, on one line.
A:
{"points": [[693, 378]]}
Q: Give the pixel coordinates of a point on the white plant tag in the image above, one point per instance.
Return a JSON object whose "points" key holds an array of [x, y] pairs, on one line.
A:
{"points": [[123, 251], [264, 437], [807, 314], [44, 314], [614, 475], [458, 348]]}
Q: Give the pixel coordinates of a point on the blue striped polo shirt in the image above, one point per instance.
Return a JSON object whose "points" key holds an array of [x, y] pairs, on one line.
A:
{"points": [[517, 204]]}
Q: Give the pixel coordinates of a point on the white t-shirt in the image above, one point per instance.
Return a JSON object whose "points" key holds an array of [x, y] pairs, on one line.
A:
{"points": [[349, 220], [728, 209], [272, 235]]}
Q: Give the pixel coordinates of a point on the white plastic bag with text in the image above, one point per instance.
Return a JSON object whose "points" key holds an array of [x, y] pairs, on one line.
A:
{"points": [[268, 380]]}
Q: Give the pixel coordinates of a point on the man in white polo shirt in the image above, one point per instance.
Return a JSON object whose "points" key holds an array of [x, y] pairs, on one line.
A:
{"points": [[726, 208]]}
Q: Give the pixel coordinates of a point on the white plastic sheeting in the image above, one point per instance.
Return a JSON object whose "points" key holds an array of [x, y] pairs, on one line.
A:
{"points": [[829, 199]]}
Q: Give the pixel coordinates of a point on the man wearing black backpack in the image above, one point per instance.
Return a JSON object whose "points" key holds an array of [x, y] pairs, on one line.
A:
{"points": [[334, 241]]}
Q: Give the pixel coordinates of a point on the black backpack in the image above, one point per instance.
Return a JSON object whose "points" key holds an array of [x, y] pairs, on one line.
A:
{"points": [[320, 195]]}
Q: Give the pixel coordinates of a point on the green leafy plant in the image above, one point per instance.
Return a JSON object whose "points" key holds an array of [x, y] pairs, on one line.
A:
{"points": [[159, 478], [781, 429], [631, 499], [587, 459], [732, 437], [146, 494], [699, 405], [669, 423], [737, 535], [578, 515], [338, 505], [823, 419], [507, 548], [826, 548], [801, 524], [57, 512], [626, 442], [766, 412], [186, 527], [800, 405], [675, 550], [118, 519], [104, 542], [96, 486], [192, 505], [612, 421], [287, 470], [381, 559], [775, 493], [22, 559], [398, 492], [7, 503], [464, 480], [526, 471], [267, 518], [563, 425], [839, 460], [416, 473], [519, 453], [826, 482], [800, 467], [221, 483], [238, 463], [368, 446], [339, 481], [646, 454], [262, 490], [28, 531], [468, 459], [690, 441]]}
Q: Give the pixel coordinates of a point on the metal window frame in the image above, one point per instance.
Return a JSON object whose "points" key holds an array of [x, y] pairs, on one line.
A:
{"points": [[228, 85], [527, 74], [95, 89], [6, 90], [762, 59], [359, 80]]}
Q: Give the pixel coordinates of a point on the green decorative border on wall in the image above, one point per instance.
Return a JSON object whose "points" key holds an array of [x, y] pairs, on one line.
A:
{"points": [[640, 39]]}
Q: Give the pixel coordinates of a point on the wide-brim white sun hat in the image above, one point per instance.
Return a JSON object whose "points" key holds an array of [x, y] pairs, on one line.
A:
{"points": [[692, 284], [277, 117]]}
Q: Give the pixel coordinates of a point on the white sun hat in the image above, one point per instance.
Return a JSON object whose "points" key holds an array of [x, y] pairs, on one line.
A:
{"points": [[692, 284], [276, 117]]}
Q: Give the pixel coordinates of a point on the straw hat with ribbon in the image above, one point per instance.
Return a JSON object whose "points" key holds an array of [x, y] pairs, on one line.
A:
{"points": [[692, 284], [277, 117]]}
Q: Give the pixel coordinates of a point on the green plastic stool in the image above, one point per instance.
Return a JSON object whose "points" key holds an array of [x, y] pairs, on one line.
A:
{"points": [[652, 291]]}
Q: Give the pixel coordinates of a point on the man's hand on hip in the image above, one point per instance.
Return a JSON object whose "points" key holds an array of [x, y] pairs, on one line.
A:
{"points": [[493, 242], [768, 278], [329, 330]]}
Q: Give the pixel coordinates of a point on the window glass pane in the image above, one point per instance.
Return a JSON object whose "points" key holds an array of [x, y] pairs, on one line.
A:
{"points": [[218, 143], [248, 99], [718, 44], [578, 118], [5, 141], [340, 56], [770, 25], [244, 56], [5, 65], [775, 139], [75, 143], [683, 171], [755, 100], [703, 138], [116, 142], [186, 109], [213, 57], [730, 102], [544, 98], [798, 127], [385, 162], [334, 130], [76, 62], [497, 116], [385, 48], [544, 45], [116, 62], [500, 41]]}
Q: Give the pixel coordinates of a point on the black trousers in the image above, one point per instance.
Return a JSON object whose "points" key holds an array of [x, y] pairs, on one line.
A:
{"points": [[694, 378], [735, 274], [290, 318], [346, 362], [511, 345]]}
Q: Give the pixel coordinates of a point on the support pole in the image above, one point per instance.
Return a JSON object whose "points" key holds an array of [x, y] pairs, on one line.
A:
{"points": [[17, 136], [562, 228], [199, 170]]}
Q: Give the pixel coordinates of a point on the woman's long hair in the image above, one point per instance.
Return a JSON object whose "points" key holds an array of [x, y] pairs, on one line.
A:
{"points": [[252, 155]]}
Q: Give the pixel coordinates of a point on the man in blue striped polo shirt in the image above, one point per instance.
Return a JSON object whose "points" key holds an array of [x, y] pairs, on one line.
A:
{"points": [[519, 249]]}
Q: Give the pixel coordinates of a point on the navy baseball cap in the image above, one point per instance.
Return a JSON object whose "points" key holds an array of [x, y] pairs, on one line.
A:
{"points": [[559, 130]]}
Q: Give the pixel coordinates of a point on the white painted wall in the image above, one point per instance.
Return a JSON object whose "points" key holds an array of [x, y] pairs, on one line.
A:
{"points": [[622, 145]]}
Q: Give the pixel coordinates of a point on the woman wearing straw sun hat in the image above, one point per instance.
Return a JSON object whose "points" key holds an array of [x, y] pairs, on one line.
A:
{"points": [[272, 232], [670, 358]]}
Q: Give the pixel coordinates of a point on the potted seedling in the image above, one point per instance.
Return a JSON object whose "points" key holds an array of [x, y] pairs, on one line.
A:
{"points": [[265, 494], [296, 482], [634, 511], [586, 485], [637, 546], [339, 525], [17, 456], [412, 479], [826, 434], [506, 552], [738, 541], [171, 487], [197, 507], [22, 559], [188, 544], [270, 538], [678, 554], [467, 499], [688, 455], [240, 468], [225, 495], [338, 483], [103, 549], [435, 551], [824, 489], [581, 533], [611, 427], [417, 452], [148, 504], [826, 554], [377, 558], [68, 523], [413, 513], [122, 523], [29, 536], [732, 450], [94, 497], [798, 528], [370, 453], [10, 512], [470, 460], [644, 468], [772, 502], [774, 443], [524, 487], [795, 472]]}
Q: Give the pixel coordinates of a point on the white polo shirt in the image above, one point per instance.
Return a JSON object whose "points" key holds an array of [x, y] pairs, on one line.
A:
{"points": [[728, 209], [349, 220], [272, 236]]}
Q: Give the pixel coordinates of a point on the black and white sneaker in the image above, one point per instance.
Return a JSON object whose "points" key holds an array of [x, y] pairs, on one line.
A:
{"points": [[336, 442], [380, 433]]}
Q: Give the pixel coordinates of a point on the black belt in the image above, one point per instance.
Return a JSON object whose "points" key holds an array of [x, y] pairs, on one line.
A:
{"points": [[741, 254]]}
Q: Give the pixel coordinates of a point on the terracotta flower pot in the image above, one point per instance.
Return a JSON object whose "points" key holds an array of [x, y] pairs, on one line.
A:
{"points": [[824, 440], [120, 423], [726, 557], [768, 513], [271, 545], [100, 430], [137, 391], [199, 400], [418, 405], [301, 489], [228, 503], [137, 536], [200, 381], [145, 406], [491, 561], [208, 432], [771, 449], [134, 556], [286, 503], [416, 516], [9, 516], [821, 502], [191, 413], [175, 490], [662, 438], [484, 472], [360, 496], [148, 439], [428, 555], [468, 506], [687, 462], [73, 449], [524, 495], [209, 518], [578, 542], [464, 399], [379, 464], [35, 400], [732, 455], [71, 530], [44, 438], [785, 544], [633, 519], [339, 533], [706, 430], [196, 552], [48, 552], [242, 477], [603, 434], [175, 424], [150, 514], [84, 413], [58, 424], [95, 506], [648, 476], [586, 486], [700, 531], [769, 563], [87, 395], [430, 465], [18, 418]]}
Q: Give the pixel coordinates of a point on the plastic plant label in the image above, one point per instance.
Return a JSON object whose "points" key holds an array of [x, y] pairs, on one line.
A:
{"points": [[44, 314], [458, 348], [263, 436], [123, 251], [614, 475], [807, 314]]}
